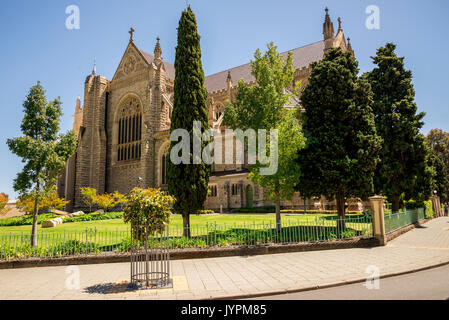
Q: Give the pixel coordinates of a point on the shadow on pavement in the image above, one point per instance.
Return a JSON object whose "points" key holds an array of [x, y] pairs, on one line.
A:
{"points": [[111, 288]]}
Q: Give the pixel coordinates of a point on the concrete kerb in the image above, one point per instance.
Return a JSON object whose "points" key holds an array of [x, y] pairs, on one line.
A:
{"points": [[196, 253], [326, 286]]}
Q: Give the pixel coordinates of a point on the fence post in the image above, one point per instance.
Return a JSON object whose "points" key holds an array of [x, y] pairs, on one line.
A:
{"points": [[377, 202]]}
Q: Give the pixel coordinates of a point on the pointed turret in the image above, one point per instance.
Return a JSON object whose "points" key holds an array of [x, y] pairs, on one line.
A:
{"points": [[158, 51], [229, 85], [328, 31], [78, 116], [94, 70], [350, 47]]}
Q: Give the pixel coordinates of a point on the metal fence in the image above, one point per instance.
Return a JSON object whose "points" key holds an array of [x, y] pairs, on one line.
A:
{"points": [[96, 242], [398, 220]]}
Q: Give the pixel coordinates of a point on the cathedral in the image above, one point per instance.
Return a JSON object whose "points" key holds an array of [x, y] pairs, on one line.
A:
{"points": [[123, 127]]}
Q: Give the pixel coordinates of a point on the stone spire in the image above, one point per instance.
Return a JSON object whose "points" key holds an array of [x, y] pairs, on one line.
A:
{"points": [[328, 32], [328, 26], [229, 80], [339, 24], [350, 47], [229, 85], [94, 70], [158, 51]]}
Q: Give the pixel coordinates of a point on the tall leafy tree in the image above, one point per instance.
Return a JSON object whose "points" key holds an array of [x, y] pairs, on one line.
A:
{"points": [[281, 185], [342, 146], [404, 156], [43, 150], [263, 106], [189, 183], [439, 142]]}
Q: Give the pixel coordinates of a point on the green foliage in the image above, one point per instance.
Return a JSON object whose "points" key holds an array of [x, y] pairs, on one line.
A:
{"points": [[88, 195], [342, 146], [404, 166], [263, 106], [105, 201], [53, 201], [281, 185], [60, 249], [439, 142], [429, 209], [265, 209], [188, 183], [95, 217], [149, 208], [27, 220], [43, 150], [204, 212]]}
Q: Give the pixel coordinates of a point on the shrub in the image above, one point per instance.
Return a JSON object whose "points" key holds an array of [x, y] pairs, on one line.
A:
{"points": [[4, 198], [104, 201], [120, 199], [148, 207], [88, 195], [53, 201], [266, 209], [203, 212], [429, 209], [95, 217], [27, 220], [26, 203]]}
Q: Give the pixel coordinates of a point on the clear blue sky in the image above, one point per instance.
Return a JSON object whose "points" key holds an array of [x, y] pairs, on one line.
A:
{"points": [[37, 46]]}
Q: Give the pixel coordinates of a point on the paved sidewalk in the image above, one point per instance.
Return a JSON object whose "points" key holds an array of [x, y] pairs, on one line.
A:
{"points": [[239, 276]]}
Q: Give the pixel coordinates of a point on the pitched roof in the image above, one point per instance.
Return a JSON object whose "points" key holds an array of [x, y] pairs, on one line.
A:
{"points": [[169, 68], [302, 57]]}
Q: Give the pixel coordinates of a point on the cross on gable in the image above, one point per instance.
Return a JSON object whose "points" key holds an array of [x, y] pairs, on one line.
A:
{"points": [[131, 32]]}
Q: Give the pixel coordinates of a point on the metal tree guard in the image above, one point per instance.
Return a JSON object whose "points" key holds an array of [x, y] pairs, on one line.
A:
{"points": [[150, 256]]}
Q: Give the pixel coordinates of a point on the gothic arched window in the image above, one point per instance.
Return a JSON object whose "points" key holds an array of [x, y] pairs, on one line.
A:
{"points": [[129, 145], [218, 111]]}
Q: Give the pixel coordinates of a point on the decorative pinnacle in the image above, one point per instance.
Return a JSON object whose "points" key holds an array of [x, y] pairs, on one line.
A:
{"points": [[131, 32], [158, 50], [349, 43], [327, 10], [339, 23], [94, 70]]}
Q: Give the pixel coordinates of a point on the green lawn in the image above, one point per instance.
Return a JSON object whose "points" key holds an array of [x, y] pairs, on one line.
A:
{"points": [[113, 235], [196, 221]]}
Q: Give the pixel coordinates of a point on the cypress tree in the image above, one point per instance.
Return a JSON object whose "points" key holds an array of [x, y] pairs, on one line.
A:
{"points": [[404, 156], [188, 183], [342, 146]]}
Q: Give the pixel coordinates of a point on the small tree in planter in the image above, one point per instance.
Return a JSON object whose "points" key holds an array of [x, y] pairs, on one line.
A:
{"points": [[148, 211], [148, 207]]}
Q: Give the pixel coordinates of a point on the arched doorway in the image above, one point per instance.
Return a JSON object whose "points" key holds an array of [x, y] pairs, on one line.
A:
{"points": [[249, 196]]}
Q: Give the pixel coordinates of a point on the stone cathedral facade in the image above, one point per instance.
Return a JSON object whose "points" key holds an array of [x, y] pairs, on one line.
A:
{"points": [[123, 127]]}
